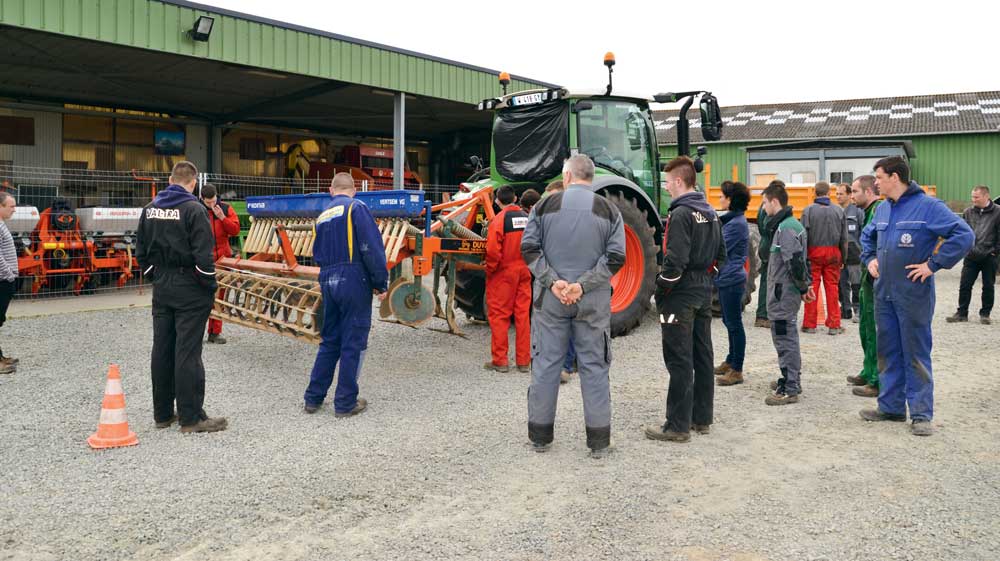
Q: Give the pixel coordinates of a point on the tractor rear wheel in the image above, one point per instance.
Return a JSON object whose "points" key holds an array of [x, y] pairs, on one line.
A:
{"points": [[470, 293], [633, 286]]}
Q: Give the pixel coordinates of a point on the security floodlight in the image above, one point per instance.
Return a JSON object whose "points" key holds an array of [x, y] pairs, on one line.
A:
{"points": [[202, 28]]}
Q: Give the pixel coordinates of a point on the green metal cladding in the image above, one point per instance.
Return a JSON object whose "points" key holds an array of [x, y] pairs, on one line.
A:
{"points": [[955, 163], [161, 26]]}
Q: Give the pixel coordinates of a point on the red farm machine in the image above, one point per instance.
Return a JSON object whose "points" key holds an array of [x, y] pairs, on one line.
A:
{"points": [[60, 249]]}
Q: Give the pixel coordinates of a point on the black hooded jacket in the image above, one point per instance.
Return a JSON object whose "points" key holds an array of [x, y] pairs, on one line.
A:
{"points": [[694, 243], [174, 233]]}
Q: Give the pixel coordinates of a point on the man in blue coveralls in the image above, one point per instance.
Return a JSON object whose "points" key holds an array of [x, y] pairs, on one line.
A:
{"points": [[908, 240], [348, 249]]}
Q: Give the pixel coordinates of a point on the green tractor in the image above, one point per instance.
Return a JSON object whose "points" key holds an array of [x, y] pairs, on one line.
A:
{"points": [[535, 131]]}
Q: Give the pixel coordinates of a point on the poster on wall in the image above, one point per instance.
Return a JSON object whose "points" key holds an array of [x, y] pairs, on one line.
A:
{"points": [[168, 142]]}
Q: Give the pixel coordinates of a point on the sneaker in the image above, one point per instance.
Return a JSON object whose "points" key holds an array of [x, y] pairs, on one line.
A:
{"points": [[921, 427], [11, 361], [565, 376], [865, 391], [497, 367], [722, 369], [781, 399], [835, 330], [732, 378], [360, 406], [310, 408], [875, 415], [166, 424], [762, 322], [211, 424], [809, 330], [8, 369], [216, 338], [957, 318], [985, 320], [855, 319], [701, 429], [659, 433], [856, 381], [524, 368]]}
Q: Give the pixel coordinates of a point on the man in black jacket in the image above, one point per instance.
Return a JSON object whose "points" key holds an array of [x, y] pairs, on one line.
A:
{"points": [[684, 300], [175, 252], [984, 219]]}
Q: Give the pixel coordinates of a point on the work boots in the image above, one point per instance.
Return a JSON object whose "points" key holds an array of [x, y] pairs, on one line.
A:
{"points": [[781, 399], [722, 369], [210, 424], [501, 368], [762, 322], [957, 318], [731, 378], [359, 406], [661, 433], [216, 338], [856, 381], [865, 391]]}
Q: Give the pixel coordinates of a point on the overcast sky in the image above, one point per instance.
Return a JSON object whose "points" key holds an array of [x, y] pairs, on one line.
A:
{"points": [[745, 52]]}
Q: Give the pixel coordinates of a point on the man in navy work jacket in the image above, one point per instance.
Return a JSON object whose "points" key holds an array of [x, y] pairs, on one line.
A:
{"points": [[348, 249], [898, 249]]}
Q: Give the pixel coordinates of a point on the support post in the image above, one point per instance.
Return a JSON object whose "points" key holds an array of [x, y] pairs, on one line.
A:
{"points": [[398, 139]]}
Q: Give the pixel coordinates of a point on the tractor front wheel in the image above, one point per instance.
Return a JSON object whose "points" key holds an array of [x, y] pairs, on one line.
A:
{"points": [[632, 287]]}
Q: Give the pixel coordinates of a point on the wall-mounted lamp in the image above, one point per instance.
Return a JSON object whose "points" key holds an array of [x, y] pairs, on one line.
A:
{"points": [[202, 28]]}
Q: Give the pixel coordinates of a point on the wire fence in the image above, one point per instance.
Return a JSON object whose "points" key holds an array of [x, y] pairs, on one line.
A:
{"points": [[75, 229]]}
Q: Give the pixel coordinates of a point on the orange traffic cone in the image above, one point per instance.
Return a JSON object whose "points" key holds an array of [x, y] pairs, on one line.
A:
{"points": [[112, 430]]}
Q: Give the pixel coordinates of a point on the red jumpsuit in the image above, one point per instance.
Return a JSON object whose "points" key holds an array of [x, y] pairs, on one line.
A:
{"points": [[508, 285], [223, 230]]}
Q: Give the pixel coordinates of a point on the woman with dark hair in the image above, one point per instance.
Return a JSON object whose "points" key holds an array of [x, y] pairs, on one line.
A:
{"points": [[732, 278]]}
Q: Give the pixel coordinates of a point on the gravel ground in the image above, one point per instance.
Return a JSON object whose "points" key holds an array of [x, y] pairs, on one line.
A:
{"points": [[438, 467]]}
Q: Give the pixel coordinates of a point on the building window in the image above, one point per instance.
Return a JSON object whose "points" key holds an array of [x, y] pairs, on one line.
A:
{"points": [[18, 131], [838, 177]]}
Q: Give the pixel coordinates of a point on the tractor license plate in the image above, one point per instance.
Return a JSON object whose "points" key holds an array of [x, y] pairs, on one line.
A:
{"points": [[526, 99]]}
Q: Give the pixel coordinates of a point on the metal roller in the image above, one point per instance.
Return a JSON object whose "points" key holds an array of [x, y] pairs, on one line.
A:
{"points": [[290, 307]]}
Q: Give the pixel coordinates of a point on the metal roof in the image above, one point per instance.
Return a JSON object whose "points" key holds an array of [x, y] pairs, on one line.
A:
{"points": [[162, 26], [976, 112]]}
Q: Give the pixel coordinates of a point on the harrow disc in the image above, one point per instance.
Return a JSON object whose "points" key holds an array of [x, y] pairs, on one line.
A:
{"points": [[412, 304], [289, 307]]}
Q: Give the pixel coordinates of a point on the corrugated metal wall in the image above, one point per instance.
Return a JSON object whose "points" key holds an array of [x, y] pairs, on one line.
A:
{"points": [[957, 163], [954, 163], [150, 24], [720, 156], [47, 151]]}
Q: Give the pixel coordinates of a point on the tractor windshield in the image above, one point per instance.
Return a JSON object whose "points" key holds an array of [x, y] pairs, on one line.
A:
{"points": [[618, 136], [530, 143]]}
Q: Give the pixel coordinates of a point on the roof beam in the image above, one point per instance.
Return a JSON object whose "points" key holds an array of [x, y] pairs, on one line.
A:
{"points": [[253, 109]]}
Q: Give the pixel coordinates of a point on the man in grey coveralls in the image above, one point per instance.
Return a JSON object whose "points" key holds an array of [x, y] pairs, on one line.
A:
{"points": [[574, 243]]}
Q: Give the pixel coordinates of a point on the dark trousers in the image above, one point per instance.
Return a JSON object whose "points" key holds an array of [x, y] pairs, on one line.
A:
{"points": [[971, 270], [686, 328], [731, 299], [7, 290], [180, 311], [347, 320], [850, 295]]}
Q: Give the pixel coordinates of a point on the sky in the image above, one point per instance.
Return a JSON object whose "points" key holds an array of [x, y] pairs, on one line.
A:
{"points": [[747, 52]]}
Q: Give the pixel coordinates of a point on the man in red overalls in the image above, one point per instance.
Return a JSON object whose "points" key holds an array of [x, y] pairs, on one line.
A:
{"points": [[225, 223], [508, 283]]}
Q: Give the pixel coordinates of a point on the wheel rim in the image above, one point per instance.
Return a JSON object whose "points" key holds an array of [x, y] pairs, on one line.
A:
{"points": [[627, 281]]}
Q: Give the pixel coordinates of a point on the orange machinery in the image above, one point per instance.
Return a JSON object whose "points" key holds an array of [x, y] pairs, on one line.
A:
{"points": [[799, 195], [58, 255], [273, 291]]}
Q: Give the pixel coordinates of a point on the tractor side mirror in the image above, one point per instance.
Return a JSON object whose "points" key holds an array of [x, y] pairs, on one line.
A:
{"points": [[582, 106], [711, 118]]}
